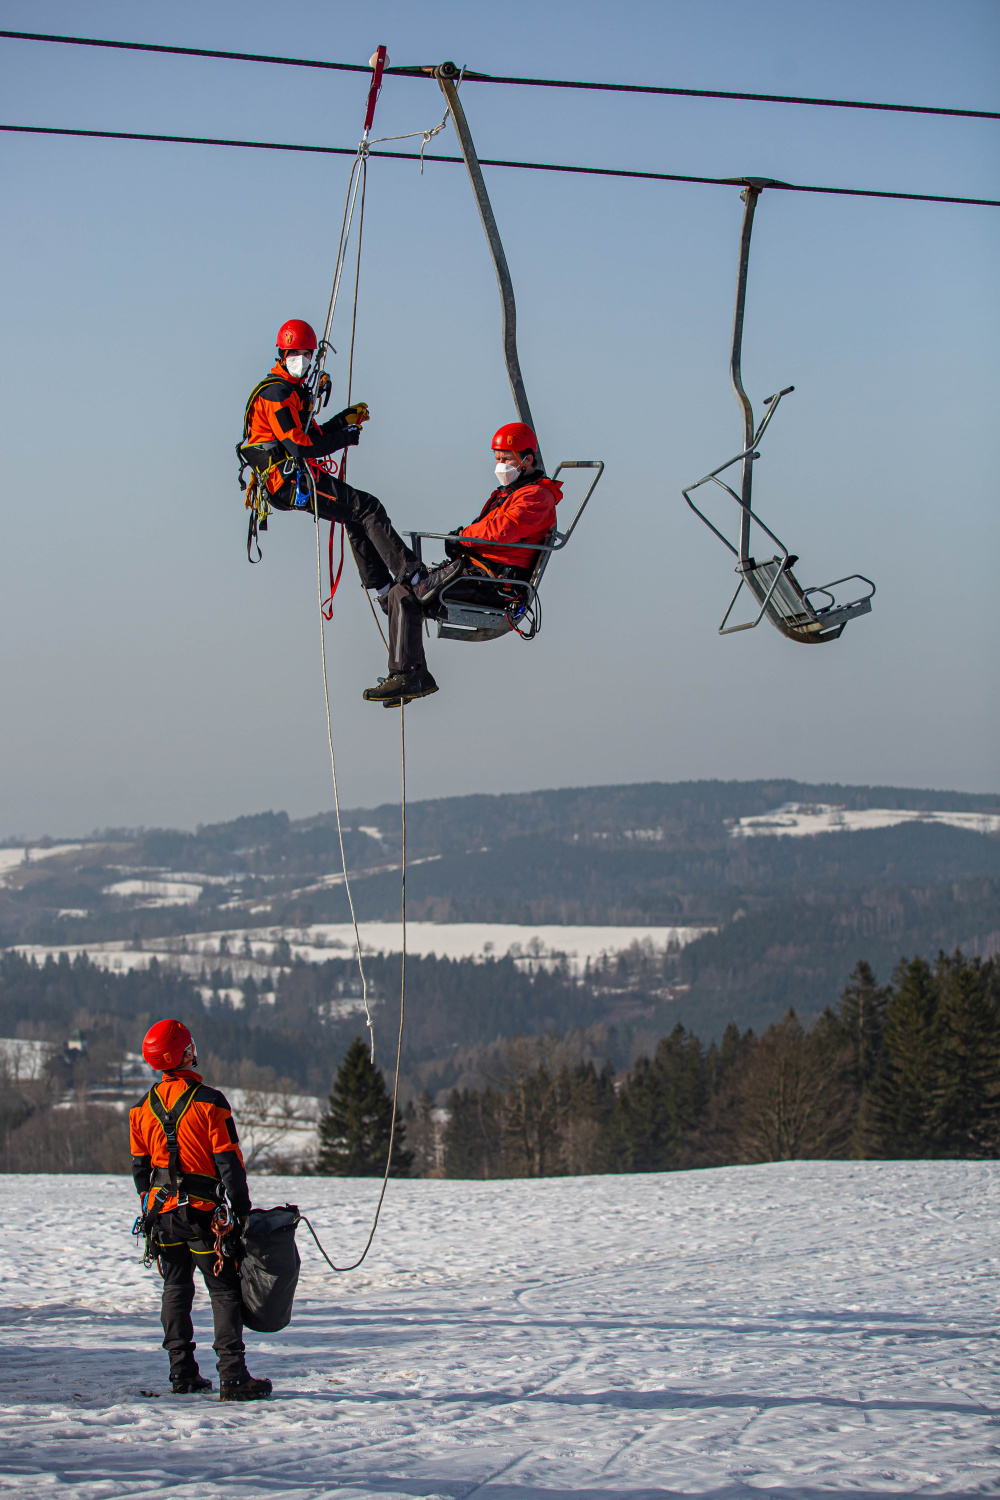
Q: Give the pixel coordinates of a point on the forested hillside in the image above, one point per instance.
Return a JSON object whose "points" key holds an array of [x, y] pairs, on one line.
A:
{"points": [[792, 914]]}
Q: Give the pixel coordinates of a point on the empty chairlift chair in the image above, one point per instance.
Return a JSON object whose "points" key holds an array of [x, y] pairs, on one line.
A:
{"points": [[811, 615]]}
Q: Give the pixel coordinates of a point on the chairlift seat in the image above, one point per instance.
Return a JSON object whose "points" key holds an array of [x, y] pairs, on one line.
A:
{"points": [[778, 593], [788, 606], [472, 607]]}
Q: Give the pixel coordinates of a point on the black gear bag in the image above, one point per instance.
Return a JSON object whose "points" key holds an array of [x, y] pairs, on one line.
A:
{"points": [[269, 1270]]}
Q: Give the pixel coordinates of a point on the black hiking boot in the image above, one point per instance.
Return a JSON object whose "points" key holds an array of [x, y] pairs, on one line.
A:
{"points": [[432, 582], [189, 1385], [401, 687], [244, 1389]]}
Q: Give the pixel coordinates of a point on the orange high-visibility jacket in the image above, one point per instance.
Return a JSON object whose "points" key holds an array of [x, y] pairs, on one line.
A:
{"points": [[277, 417], [525, 513], [207, 1142]]}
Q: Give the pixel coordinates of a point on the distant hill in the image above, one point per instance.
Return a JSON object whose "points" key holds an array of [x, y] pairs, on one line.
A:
{"points": [[793, 914]]}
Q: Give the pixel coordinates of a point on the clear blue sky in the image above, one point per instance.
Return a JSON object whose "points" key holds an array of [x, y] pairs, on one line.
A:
{"points": [[150, 676]]}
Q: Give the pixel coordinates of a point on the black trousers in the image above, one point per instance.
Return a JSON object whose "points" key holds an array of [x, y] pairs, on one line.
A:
{"points": [[180, 1250], [379, 551], [382, 558]]}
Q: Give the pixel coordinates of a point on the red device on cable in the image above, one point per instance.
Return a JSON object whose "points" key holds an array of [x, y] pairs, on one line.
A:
{"points": [[378, 62]]}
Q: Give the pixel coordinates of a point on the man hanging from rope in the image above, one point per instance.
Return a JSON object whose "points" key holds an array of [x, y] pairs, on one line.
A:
{"points": [[282, 443]]}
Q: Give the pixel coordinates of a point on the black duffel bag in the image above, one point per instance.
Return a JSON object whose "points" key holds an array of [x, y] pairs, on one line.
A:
{"points": [[269, 1271]]}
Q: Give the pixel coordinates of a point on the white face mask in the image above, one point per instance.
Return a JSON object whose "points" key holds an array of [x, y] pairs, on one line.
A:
{"points": [[297, 364], [506, 474]]}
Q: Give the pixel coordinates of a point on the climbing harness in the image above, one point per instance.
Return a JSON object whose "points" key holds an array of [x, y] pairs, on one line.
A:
{"points": [[458, 618], [172, 1180], [771, 582]]}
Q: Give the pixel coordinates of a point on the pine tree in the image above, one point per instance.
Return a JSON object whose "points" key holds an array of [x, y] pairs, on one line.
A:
{"points": [[354, 1133], [854, 1034], [860, 1020], [965, 1093], [903, 1091], [659, 1107], [473, 1135]]}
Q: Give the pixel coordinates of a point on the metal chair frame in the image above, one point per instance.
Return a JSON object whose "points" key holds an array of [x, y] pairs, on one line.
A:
{"points": [[772, 583], [465, 621]]}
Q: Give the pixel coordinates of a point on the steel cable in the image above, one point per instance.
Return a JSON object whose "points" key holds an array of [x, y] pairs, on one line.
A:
{"points": [[538, 83], [486, 161]]}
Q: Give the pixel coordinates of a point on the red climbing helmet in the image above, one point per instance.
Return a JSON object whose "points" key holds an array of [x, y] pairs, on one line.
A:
{"points": [[296, 334], [165, 1044], [516, 437]]}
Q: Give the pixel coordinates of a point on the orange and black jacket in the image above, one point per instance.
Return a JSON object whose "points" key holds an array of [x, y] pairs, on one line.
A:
{"points": [[208, 1146], [279, 426], [524, 511]]}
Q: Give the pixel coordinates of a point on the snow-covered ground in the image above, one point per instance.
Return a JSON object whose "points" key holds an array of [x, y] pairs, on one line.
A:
{"points": [[798, 819], [12, 859], [254, 952], [797, 1330]]}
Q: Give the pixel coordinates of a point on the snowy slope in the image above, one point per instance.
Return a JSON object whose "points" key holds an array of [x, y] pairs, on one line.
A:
{"points": [[798, 1330], [252, 952], [801, 820]]}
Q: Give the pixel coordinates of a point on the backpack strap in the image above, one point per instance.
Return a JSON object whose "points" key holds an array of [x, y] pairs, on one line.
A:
{"points": [[282, 390]]}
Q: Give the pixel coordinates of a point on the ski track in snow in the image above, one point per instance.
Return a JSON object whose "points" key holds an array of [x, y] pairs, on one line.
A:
{"points": [[798, 1329]]}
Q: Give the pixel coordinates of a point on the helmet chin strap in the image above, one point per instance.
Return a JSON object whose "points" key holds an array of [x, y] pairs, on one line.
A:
{"points": [[190, 1058]]}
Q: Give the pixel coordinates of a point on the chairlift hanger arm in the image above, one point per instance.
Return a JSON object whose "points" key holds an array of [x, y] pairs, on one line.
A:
{"points": [[446, 75]]}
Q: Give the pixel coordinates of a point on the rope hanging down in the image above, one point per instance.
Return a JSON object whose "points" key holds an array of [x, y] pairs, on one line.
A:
{"points": [[399, 1039], [358, 180], [537, 83], [487, 161]]}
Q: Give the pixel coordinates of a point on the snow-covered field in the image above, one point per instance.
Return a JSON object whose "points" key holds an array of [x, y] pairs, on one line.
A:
{"points": [[254, 952], [12, 859], [801, 819], [794, 1330]]}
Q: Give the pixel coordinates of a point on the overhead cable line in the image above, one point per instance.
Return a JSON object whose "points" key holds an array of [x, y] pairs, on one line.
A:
{"points": [[471, 76], [486, 161]]}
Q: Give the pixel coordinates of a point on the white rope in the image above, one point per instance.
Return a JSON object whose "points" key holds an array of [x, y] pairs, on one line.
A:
{"points": [[356, 179], [399, 1040]]}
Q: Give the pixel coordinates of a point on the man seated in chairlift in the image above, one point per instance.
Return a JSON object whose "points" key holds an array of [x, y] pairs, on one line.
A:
{"points": [[522, 509]]}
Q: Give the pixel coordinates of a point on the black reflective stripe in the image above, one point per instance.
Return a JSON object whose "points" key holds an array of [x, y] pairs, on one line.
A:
{"points": [[285, 418], [231, 1130]]}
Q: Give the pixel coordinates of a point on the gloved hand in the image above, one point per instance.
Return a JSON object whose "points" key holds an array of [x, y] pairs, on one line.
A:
{"points": [[337, 429], [354, 416], [454, 549]]}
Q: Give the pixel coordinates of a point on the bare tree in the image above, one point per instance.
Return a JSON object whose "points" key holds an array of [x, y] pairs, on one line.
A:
{"points": [[794, 1103]]}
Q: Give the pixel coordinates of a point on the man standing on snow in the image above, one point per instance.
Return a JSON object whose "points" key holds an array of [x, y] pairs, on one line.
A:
{"points": [[186, 1159]]}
